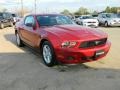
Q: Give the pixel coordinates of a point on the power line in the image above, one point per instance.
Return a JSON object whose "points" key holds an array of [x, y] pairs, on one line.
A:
{"points": [[35, 6]]}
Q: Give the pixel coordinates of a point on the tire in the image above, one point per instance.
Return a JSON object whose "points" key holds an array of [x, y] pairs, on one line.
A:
{"points": [[11, 24], [48, 54], [99, 24], [1, 25], [19, 41], [14, 23], [106, 24]]}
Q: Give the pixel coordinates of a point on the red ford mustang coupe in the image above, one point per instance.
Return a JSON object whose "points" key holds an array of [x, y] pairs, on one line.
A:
{"points": [[60, 40]]}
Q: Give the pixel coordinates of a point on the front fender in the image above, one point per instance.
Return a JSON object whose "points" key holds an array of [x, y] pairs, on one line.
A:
{"points": [[53, 39]]}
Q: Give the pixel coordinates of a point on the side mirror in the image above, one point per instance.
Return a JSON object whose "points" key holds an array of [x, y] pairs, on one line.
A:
{"points": [[31, 25]]}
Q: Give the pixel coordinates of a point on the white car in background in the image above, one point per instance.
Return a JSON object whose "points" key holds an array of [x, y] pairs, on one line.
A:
{"points": [[87, 20], [109, 19], [15, 18]]}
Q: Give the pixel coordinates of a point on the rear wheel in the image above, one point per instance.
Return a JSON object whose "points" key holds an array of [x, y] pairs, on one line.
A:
{"points": [[48, 54], [1, 25], [19, 41]]}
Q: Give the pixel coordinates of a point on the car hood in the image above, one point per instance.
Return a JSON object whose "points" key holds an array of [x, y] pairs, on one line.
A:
{"points": [[75, 32], [116, 19]]}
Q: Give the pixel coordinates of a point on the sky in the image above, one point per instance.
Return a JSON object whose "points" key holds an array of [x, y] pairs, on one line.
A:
{"points": [[59, 5]]}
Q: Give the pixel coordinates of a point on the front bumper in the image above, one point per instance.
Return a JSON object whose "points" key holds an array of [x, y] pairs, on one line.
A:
{"points": [[114, 24], [75, 56], [90, 24]]}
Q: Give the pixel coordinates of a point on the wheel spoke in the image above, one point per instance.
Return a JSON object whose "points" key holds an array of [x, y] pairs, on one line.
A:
{"points": [[18, 39], [47, 53]]}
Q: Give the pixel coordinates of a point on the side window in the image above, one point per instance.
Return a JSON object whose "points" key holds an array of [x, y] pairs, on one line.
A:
{"points": [[4, 15], [99, 15], [103, 16], [29, 20], [81, 17], [8, 15], [1, 16]]}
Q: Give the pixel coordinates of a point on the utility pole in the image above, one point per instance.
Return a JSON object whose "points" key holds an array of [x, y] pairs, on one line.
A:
{"points": [[35, 6], [22, 12]]}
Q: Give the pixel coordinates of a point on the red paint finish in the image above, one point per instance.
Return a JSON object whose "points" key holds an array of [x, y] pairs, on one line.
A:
{"points": [[58, 34]]}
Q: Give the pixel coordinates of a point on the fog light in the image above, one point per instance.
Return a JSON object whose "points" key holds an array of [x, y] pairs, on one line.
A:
{"points": [[70, 58]]}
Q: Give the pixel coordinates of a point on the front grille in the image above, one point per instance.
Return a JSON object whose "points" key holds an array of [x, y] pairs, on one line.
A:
{"points": [[93, 43], [91, 22]]}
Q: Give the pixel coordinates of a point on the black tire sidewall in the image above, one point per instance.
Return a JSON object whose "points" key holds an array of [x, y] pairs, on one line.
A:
{"points": [[11, 24], [106, 24], [21, 43]]}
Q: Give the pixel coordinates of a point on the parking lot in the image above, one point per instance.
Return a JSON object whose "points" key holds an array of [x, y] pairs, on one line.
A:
{"points": [[23, 69]]}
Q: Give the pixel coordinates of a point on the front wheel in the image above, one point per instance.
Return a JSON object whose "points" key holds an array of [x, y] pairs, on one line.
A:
{"points": [[1, 25], [106, 24], [19, 41], [48, 54]]}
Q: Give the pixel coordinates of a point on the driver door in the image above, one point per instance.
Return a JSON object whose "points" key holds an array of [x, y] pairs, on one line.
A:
{"points": [[29, 33]]}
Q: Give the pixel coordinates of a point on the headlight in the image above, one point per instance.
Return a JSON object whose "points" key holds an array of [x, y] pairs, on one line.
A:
{"points": [[112, 21], [69, 44]]}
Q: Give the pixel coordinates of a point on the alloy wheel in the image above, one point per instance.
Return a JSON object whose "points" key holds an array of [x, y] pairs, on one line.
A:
{"points": [[47, 55]]}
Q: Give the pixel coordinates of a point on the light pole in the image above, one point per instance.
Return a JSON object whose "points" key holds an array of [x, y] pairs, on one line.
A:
{"points": [[22, 8]]}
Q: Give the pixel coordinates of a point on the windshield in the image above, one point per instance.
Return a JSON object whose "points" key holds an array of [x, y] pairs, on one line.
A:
{"points": [[50, 20], [86, 17], [111, 16]]}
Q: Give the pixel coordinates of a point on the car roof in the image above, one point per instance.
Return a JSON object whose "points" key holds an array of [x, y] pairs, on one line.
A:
{"points": [[107, 13], [42, 14]]}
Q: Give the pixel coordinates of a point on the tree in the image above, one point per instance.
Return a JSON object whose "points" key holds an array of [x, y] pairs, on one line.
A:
{"points": [[82, 11], [94, 13], [66, 12], [76, 13], [114, 9], [118, 11], [23, 12], [4, 10], [108, 9]]}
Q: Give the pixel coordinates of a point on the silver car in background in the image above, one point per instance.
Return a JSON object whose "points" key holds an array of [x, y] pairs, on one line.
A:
{"points": [[108, 19], [118, 15]]}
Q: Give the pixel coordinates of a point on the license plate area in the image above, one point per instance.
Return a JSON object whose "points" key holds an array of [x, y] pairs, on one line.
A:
{"points": [[91, 25], [99, 53]]}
